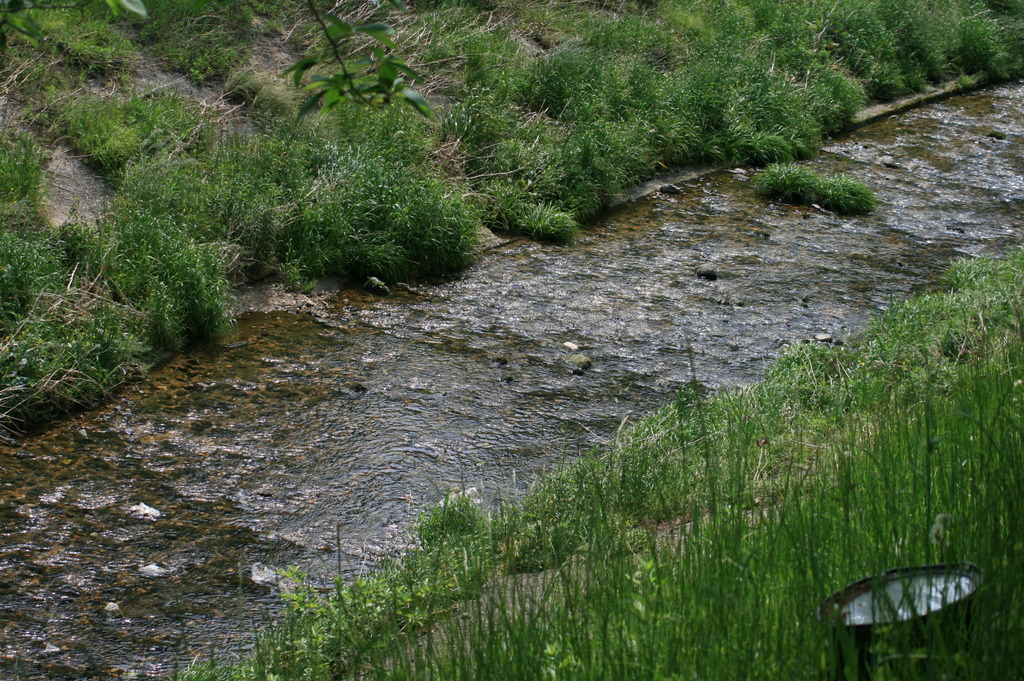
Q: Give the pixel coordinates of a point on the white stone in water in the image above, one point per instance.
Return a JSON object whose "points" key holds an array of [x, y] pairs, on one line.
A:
{"points": [[571, 347], [261, 574], [112, 608], [50, 648], [154, 570], [144, 511]]}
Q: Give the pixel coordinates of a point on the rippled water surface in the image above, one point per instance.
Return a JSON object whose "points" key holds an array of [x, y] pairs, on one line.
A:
{"points": [[316, 441]]}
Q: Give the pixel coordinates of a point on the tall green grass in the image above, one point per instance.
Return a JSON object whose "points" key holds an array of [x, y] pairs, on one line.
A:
{"points": [[28, 265], [63, 343], [21, 180], [373, 216]]}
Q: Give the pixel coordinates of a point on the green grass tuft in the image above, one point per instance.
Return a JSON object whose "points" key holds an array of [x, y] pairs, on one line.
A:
{"points": [[845, 195], [792, 183]]}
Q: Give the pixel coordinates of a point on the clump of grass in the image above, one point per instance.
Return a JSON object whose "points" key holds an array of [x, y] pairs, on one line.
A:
{"points": [[845, 195], [511, 208], [788, 182], [29, 265], [239, 194], [150, 265], [201, 44], [21, 180], [792, 183], [982, 49], [267, 95], [63, 342], [68, 350], [376, 218], [87, 42], [113, 132]]}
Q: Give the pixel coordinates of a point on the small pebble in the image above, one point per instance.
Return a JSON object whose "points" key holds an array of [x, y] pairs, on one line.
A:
{"points": [[143, 510], [154, 570]]}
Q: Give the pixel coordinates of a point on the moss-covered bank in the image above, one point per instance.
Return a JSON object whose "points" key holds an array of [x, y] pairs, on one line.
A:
{"points": [[546, 111]]}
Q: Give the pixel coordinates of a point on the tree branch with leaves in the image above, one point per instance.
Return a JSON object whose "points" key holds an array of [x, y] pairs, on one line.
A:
{"points": [[380, 77]]}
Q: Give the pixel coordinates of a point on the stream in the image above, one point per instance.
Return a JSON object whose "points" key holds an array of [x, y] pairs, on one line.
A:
{"points": [[138, 536]]}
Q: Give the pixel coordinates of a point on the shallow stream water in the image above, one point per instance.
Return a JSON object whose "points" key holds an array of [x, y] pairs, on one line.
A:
{"points": [[316, 441]]}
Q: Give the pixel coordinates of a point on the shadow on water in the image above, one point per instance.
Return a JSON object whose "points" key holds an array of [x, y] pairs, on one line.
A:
{"points": [[315, 442]]}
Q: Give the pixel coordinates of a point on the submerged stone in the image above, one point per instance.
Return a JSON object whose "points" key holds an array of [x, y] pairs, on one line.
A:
{"points": [[707, 272], [375, 285], [262, 574], [579, 362]]}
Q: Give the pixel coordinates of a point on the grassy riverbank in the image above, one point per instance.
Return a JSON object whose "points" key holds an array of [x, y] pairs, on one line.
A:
{"points": [[700, 544], [545, 111]]}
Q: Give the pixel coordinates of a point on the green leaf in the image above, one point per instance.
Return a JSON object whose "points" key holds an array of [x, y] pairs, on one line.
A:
{"points": [[413, 75], [333, 97], [378, 32], [310, 104], [418, 102], [336, 28], [375, 28], [134, 6], [299, 69], [386, 72], [25, 26]]}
